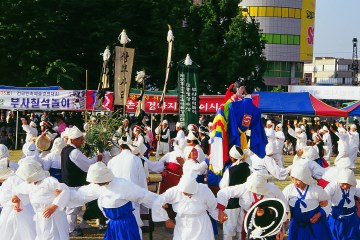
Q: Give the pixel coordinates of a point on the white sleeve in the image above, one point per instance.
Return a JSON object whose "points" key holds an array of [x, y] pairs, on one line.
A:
{"points": [[84, 194], [278, 172], [156, 167], [47, 162], [211, 203], [158, 212], [323, 196], [81, 160], [157, 130], [224, 182], [137, 194], [316, 170], [62, 199], [225, 194], [27, 129]]}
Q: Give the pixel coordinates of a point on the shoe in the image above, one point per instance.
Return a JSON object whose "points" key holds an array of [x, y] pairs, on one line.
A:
{"points": [[102, 228], [84, 225], [76, 233]]}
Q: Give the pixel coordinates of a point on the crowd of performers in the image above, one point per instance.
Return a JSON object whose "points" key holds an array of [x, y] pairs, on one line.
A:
{"points": [[43, 193]]}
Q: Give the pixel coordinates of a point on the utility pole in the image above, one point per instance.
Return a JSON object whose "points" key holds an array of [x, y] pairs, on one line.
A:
{"points": [[355, 63]]}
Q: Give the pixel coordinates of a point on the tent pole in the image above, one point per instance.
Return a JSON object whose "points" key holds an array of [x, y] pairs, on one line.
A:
{"points": [[17, 128], [347, 123], [282, 119]]}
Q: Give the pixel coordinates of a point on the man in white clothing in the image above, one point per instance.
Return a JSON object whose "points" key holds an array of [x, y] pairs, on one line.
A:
{"points": [[327, 143], [128, 166], [163, 135], [353, 143], [279, 145], [30, 129], [180, 136]]}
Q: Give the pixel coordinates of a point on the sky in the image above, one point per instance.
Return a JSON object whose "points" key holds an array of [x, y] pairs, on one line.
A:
{"points": [[337, 22]]}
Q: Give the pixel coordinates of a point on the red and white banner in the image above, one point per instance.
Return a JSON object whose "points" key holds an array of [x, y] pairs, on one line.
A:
{"points": [[207, 104]]}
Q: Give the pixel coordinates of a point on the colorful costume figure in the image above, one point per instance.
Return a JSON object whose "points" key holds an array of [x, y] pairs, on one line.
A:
{"points": [[308, 218], [191, 201], [245, 115], [343, 220]]}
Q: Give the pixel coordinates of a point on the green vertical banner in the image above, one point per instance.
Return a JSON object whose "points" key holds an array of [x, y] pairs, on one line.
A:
{"points": [[188, 94]]}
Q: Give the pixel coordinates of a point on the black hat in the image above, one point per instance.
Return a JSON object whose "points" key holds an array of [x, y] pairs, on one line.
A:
{"points": [[267, 222]]}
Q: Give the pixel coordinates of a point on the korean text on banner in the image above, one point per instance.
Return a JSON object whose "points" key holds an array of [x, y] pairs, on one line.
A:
{"points": [[123, 64]]}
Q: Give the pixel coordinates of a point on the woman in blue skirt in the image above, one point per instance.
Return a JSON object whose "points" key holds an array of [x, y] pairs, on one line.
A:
{"points": [[343, 220], [115, 197], [307, 203]]}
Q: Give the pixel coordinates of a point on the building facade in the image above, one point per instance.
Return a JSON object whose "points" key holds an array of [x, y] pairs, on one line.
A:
{"points": [[288, 29], [329, 71]]}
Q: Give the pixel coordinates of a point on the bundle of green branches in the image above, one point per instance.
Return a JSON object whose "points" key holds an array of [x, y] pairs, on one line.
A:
{"points": [[99, 134]]}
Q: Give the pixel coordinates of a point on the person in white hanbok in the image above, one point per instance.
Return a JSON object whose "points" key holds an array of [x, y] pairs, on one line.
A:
{"points": [[343, 219], [343, 143], [30, 129], [192, 161], [253, 190], [50, 217], [327, 143], [14, 225], [128, 166], [267, 165], [191, 201], [180, 135], [308, 206], [115, 198], [279, 145], [353, 144], [301, 138], [52, 161]]}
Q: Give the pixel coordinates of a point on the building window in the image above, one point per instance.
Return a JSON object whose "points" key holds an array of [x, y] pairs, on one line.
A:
{"points": [[284, 39]]}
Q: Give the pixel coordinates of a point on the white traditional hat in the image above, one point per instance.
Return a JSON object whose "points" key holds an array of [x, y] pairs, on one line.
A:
{"points": [[75, 133], [165, 121], [269, 149], [187, 151], [29, 149], [179, 124], [344, 162], [58, 145], [236, 152], [192, 127], [192, 136], [298, 130], [31, 171], [316, 118], [303, 127], [4, 151], [353, 126], [188, 184], [256, 183], [32, 124], [302, 173], [310, 153], [325, 128], [66, 132], [346, 176], [99, 173], [279, 125], [269, 122]]}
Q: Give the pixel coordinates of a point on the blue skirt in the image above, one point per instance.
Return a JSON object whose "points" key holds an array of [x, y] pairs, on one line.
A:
{"points": [[122, 223], [344, 227], [302, 229], [56, 173]]}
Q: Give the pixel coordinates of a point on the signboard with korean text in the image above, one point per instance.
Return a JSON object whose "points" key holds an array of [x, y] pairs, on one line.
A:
{"points": [[207, 104], [123, 69], [307, 30], [188, 93], [42, 99]]}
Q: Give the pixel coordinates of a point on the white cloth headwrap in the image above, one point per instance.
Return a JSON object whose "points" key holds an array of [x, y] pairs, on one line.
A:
{"points": [[75, 133]]}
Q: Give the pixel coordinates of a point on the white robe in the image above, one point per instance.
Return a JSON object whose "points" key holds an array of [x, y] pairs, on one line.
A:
{"points": [[353, 146], [30, 132], [327, 147], [41, 195], [268, 165], [192, 220], [15, 225], [301, 141], [52, 160], [314, 195], [128, 166], [116, 194], [343, 146]]}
